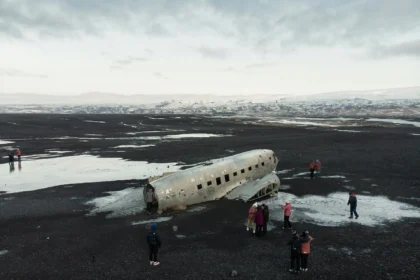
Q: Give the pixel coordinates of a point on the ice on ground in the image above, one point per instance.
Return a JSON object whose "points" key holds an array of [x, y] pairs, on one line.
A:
{"points": [[58, 152], [4, 142], [3, 252], [303, 123], [332, 210], [284, 187], [344, 130], [134, 146], [44, 173], [89, 121], [157, 220], [120, 203], [196, 209], [395, 121], [285, 171]]}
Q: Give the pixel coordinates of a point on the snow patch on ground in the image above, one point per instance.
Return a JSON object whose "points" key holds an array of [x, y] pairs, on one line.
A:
{"points": [[395, 121], [58, 152], [89, 121], [408, 198], [4, 142], [415, 134], [230, 151], [180, 236], [302, 123], [133, 146], [157, 220], [284, 187], [196, 209], [120, 203], [92, 134], [350, 188], [3, 252], [44, 173], [285, 171], [332, 210], [344, 130]]}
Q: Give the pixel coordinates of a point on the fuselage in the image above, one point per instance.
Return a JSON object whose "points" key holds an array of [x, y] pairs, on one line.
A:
{"points": [[214, 180]]}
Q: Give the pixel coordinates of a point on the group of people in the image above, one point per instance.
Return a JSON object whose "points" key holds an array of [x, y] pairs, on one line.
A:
{"points": [[12, 156], [315, 168], [258, 217], [300, 247]]}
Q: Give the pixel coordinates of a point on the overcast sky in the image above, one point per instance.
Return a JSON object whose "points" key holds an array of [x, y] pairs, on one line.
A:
{"points": [[198, 46]]}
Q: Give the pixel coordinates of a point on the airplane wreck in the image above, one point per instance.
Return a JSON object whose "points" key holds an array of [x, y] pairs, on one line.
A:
{"points": [[247, 176]]}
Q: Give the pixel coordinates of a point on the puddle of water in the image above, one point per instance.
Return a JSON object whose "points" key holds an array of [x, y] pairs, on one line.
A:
{"points": [[44, 173], [157, 220], [333, 211]]}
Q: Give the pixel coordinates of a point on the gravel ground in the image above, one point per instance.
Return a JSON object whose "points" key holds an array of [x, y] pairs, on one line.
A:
{"points": [[46, 234]]}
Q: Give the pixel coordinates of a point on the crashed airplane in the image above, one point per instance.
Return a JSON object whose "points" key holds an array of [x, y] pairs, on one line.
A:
{"points": [[247, 176]]}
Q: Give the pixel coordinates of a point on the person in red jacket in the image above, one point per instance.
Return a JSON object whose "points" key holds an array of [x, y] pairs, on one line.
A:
{"points": [[305, 249], [251, 217], [312, 169], [287, 211], [259, 221]]}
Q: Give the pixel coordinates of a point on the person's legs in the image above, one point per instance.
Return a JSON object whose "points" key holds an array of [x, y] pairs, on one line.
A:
{"points": [[151, 254], [288, 222], [355, 213], [292, 263], [297, 263]]}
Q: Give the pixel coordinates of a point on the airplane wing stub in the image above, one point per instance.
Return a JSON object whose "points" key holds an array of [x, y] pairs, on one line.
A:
{"points": [[256, 189]]}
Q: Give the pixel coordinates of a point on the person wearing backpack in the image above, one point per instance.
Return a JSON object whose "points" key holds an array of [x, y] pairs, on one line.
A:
{"points": [[154, 242]]}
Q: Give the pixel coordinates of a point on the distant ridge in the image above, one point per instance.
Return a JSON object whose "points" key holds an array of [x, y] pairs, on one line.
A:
{"points": [[99, 98]]}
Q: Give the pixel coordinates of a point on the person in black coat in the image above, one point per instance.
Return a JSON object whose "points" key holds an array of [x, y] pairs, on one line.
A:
{"points": [[266, 213], [295, 246], [154, 242], [353, 205]]}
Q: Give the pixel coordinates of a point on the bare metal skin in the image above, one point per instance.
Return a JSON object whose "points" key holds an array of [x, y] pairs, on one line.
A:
{"points": [[213, 181]]}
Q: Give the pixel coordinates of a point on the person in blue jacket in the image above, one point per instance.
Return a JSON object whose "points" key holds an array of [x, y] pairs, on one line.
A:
{"points": [[154, 242]]}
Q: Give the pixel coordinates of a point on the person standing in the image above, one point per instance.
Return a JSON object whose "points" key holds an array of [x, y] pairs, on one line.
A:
{"points": [[305, 240], [251, 217], [18, 153], [353, 205], [154, 242], [317, 168], [259, 221], [287, 211], [266, 213], [150, 198], [311, 169], [295, 248]]}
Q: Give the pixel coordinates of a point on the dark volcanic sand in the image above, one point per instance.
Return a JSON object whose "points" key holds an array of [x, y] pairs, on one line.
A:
{"points": [[48, 235]]}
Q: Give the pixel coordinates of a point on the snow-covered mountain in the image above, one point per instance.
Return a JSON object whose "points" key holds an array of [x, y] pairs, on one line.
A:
{"points": [[403, 102]]}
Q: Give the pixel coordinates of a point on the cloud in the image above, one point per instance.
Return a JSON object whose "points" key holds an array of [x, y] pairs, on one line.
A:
{"points": [[410, 48], [215, 53], [158, 30], [118, 64], [261, 65], [160, 76], [268, 26], [19, 73]]}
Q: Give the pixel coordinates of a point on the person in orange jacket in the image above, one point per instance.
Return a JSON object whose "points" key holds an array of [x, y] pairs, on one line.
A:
{"points": [[18, 153], [305, 239], [312, 168]]}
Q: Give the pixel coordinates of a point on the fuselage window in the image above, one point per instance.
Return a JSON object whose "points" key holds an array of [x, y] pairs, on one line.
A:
{"points": [[242, 170], [256, 166], [218, 181], [199, 187], [235, 173], [262, 163], [250, 168], [209, 183], [227, 178]]}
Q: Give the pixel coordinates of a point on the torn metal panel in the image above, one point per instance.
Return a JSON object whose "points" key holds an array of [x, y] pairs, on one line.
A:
{"points": [[253, 190]]}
